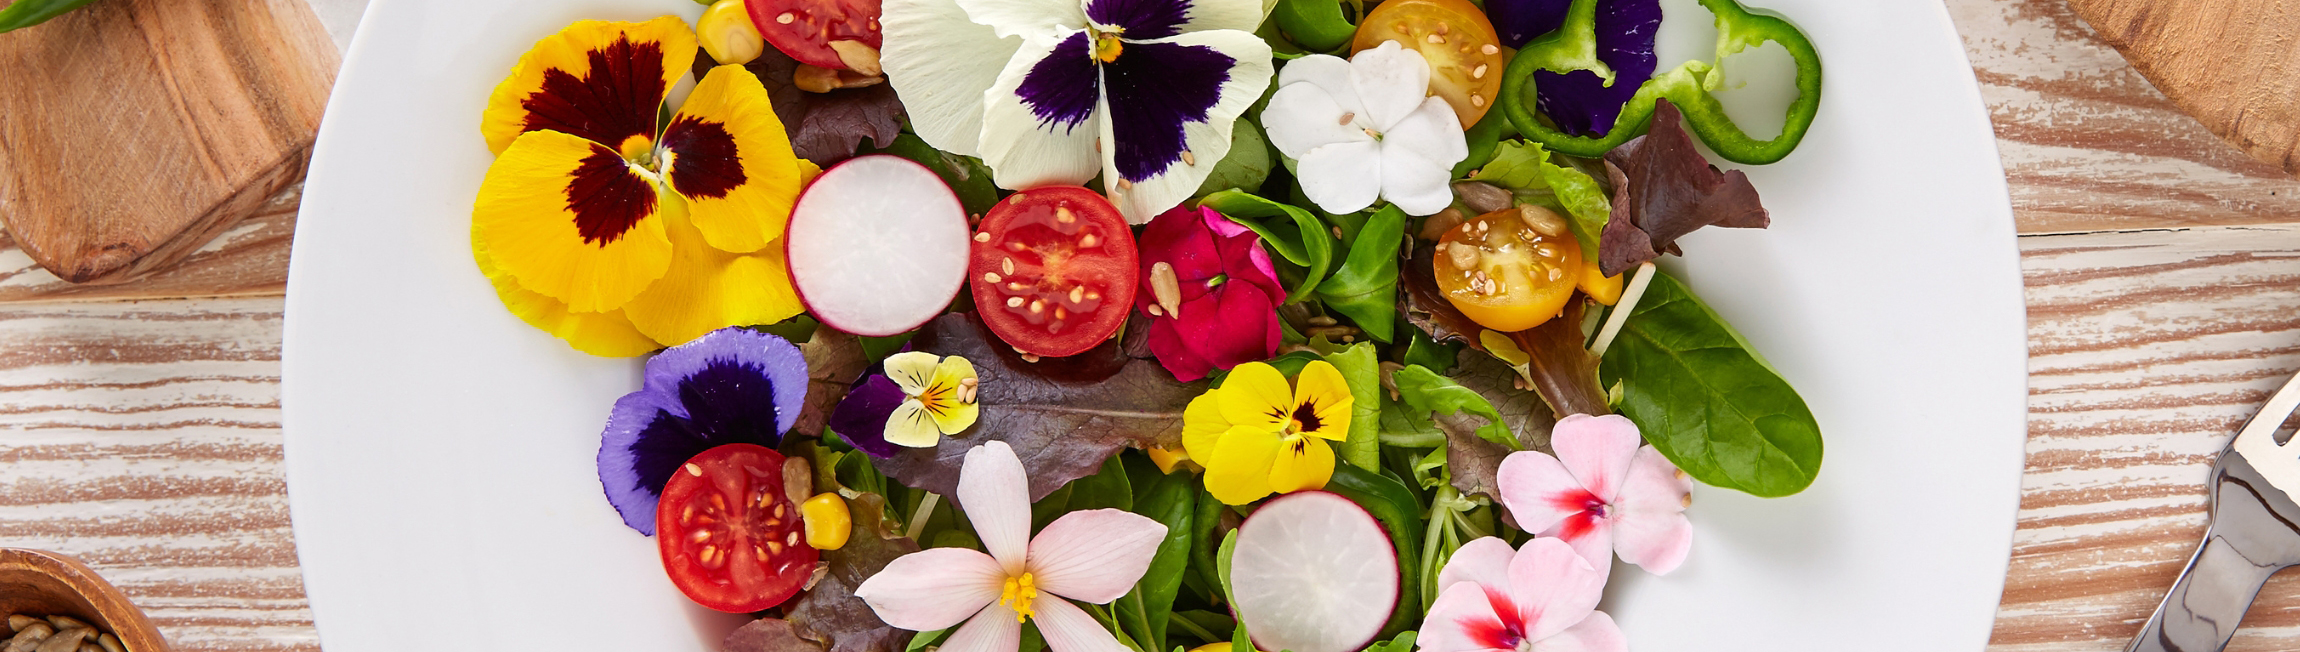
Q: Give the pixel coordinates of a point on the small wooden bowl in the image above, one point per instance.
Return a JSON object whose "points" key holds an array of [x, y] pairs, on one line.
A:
{"points": [[39, 583]]}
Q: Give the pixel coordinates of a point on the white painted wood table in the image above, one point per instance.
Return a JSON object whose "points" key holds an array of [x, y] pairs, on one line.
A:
{"points": [[139, 424]]}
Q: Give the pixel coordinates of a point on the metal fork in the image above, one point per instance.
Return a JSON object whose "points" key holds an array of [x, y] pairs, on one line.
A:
{"points": [[2255, 532]]}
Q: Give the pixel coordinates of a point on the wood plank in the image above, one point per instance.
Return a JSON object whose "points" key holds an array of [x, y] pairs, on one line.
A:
{"points": [[250, 259], [2089, 145], [135, 131], [2233, 64], [2146, 350], [143, 438]]}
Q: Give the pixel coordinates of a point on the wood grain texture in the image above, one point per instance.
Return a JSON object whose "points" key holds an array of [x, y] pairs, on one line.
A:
{"points": [[143, 438], [2146, 350], [2234, 64], [134, 131], [249, 259], [2088, 144]]}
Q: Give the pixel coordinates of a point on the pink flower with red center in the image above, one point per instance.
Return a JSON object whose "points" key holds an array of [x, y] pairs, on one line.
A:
{"points": [[1539, 598], [1211, 292], [1602, 493]]}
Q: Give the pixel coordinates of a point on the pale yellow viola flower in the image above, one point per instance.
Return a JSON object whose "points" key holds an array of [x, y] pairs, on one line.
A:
{"points": [[938, 398], [1256, 435]]}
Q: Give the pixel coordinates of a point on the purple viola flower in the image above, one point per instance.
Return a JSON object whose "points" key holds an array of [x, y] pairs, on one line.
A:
{"points": [[1211, 292], [731, 386], [1580, 101], [1055, 92]]}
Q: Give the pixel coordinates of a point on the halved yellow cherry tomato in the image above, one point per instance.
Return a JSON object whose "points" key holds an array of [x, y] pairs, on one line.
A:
{"points": [[1604, 289], [1509, 270], [1465, 56]]}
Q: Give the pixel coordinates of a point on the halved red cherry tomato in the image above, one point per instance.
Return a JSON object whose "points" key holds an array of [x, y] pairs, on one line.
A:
{"points": [[730, 536], [1511, 269], [810, 31], [1464, 54], [1053, 270]]}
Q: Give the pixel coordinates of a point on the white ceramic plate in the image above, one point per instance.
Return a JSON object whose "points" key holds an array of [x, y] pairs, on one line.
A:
{"points": [[439, 452]]}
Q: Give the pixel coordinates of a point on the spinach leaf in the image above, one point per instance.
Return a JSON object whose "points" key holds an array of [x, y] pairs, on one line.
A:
{"points": [[1524, 168], [1108, 488], [1705, 399], [1146, 610], [1403, 643], [1363, 372], [1246, 166], [1365, 287], [1316, 25], [1293, 234]]}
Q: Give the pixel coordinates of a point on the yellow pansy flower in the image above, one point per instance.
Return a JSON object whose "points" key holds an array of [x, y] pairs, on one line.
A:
{"points": [[1257, 436], [938, 398], [598, 220]]}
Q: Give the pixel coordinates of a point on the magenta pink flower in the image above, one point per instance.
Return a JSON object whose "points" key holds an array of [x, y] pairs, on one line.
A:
{"points": [[1602, 494], [1089, 556], [1539, 598], [1211, 293]]}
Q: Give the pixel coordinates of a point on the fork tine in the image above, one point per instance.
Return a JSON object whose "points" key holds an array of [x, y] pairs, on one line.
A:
{"points": [[2272, 416]]}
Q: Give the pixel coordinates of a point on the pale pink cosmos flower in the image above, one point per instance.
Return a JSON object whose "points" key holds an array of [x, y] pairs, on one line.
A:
{"points": [[1090, 556], [1539, 598], [1602, 493]]}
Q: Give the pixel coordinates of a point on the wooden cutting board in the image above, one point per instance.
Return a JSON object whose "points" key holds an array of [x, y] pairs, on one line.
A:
{"points": [[134, 131], [2234, 64]]}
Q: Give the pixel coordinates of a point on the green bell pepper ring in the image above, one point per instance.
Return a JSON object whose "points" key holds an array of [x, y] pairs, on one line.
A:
{"points": [[1392, 503], [1573, 47]]}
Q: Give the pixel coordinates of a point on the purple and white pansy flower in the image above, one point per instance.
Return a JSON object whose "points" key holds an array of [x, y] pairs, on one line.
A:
{"points": [[730, 386], [1143, 93]]}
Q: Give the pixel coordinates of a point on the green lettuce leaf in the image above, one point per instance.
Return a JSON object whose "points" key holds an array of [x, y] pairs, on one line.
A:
{"points": [[1526, 170]]}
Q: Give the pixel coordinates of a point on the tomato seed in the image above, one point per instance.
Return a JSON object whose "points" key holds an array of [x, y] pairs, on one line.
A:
{"points": [[982, 237], [759, 553], [1189, 158], [775, 547], [791, 540], [1061, 313], [1062, 214], [1077, 294], [1348, 117], [1556, 273], [1476, 100], [1489, 49], [1014, 302], [990, 277], [1017, 287], [1088, 241], [693, 470], [786, 18], [1436, 39], [699, 536], [1037, 306], [1007, 266], [1479, 72]]}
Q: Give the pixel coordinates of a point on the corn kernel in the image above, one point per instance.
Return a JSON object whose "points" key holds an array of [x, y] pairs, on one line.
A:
{"points": [[828, 522], [726, 32]]}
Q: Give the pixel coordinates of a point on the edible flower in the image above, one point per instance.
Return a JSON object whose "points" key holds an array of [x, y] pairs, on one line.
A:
{"points": [[731, 386], [1602, 494], [1091, 556], [1053, 92], [1256, 436], [598, 216], [1211, 292], [1366, 127], [919, 399], [1541, 596]]}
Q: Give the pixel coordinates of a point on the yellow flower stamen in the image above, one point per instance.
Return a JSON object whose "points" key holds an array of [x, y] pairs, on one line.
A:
{"points": [[638, 148], [1107, 46], [1020, 591]]}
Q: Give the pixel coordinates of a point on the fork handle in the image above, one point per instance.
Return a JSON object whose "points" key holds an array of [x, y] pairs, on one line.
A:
{"points": [[2205, 604]]}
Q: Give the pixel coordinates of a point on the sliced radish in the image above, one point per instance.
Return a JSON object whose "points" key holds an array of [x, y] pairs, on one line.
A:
{"points": [[1313, 572], [877, 245]]}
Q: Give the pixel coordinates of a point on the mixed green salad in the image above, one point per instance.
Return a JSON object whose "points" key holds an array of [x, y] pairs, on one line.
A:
{"points": [[1153, 325]]}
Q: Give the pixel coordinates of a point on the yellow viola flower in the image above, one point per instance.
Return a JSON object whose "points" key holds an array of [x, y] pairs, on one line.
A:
{"points": [[597, 216], [1257, 436], [938, 398]]}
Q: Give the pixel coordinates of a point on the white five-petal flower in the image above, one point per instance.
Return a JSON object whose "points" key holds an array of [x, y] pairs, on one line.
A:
{"points": [[1364, 128], [1143, 93], [1091, 556]]}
